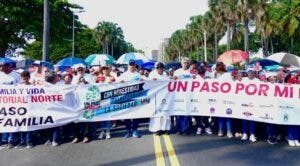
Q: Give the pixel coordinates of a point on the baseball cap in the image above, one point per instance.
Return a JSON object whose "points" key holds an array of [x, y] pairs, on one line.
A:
{"points": [[131, 62], [159, 65]]}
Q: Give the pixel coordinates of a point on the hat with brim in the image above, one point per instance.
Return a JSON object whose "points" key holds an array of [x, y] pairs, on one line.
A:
{"points": [[79, 65]]}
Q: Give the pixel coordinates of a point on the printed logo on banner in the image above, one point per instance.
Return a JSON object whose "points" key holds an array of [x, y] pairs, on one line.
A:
{"points": [[212, 110], [266, 106], [228, 111], [266, 117], [195, 110], [228, 102], [285, 117], [92, 102], [248, 105], [212, 101], [247, 114], [195, 100], [286, 107]]}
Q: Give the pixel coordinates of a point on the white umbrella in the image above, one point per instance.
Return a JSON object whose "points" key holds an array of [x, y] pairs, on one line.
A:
{"points": [[285, 58], [124, 59]]}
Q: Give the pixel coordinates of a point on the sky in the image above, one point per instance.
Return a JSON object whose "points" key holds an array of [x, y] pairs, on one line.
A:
{"points": [[145, 22]]}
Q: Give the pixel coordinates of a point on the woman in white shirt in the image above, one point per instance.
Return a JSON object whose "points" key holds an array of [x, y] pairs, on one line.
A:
{"points": [[159, 125]]}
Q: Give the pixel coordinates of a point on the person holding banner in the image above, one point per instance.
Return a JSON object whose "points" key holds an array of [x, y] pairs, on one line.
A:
{"points": [[25, 137], [182, 122], [8, 77], [246, 123], [105, 125], [83, 128], [222, 74], [159, 125], [131, 75]]}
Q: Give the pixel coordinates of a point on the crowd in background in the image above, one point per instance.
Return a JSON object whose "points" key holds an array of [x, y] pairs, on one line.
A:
{"points": [[184, 125]]}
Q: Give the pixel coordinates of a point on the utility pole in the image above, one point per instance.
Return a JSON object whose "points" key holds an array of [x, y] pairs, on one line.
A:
{"points": [[46, 31], [73, 33], [205, 52]]}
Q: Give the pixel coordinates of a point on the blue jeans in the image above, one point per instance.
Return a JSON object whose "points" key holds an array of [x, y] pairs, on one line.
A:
{"points": [[106, 125], [182, 123], [53, 134], [131, 124], [251, 124], [26, 137], [293, 132], [8, 137], [228, 124], [271, 131]]}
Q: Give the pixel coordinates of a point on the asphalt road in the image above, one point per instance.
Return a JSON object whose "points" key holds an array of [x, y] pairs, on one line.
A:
{"points": [[150, 150]]}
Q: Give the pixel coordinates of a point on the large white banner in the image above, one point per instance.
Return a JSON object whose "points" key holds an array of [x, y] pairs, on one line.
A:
{"points": [[27, 108]]}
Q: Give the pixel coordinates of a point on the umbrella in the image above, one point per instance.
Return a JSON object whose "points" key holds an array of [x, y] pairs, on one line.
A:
{"points": [[100, 60], [233, 57], [174, 65], [24, 63], [148, 65], [124, 59], [7, 60], [69, 62], [44, 64], [285, 59], [264, 62]]}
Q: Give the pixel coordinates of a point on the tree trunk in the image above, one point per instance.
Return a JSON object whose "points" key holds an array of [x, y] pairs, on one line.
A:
{"points": [[263, 46], [112, 49], [246, 39], [107, 49], [216, 46], [103, 47], [272, 47], [228, 35], [46, 31], [292, 45]]}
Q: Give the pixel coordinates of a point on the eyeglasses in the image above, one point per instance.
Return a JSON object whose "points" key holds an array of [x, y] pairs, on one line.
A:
{"points": [[80, 69]]}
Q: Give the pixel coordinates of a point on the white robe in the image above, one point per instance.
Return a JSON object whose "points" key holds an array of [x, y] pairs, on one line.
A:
{"points": [[159, 123]]}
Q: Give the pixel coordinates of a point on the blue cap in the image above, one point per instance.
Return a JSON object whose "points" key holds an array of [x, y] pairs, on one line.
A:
{"points": [[131, 62]]}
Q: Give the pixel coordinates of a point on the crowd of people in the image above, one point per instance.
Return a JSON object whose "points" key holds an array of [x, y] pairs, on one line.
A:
{"points": [[185, 125]]}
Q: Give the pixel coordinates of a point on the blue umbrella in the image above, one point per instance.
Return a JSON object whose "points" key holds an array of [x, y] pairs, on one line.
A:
{"points": [[264, 63], [7, 60], [69, 62], [47, 64], [148, 65], [24, 64], [174, 65]]}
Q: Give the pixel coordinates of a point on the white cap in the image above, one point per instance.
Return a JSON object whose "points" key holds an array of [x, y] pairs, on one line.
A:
{"points": [[37, 62], [271, 74], [76, 66]]}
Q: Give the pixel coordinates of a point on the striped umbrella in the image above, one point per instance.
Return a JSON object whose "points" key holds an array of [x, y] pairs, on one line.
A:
{"points": [[100, 60]]}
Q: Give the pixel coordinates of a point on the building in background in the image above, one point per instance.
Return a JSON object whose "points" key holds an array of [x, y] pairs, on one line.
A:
{"points": [[161, 50], [154, 55]]}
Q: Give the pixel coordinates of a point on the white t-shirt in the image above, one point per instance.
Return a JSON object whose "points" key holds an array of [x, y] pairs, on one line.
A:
{"points": [[224, 76], [87, 77], [130, 76], [37, 78], [154, 74], [16, 76], [180, 73], [7, 79]]}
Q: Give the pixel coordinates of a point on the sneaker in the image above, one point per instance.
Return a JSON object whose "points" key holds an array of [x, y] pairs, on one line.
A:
{"points": [[75, 140], [252, 138], [237, 135], [244, 137], [85, 140], [199, 131], [220, 134], [29, 145], [10, 145], [271, 141], [208, 131], [48, 142], [127, 135], [136, 134], [107, 135], [54, 143], [297, 143], [101, 135], [229, 135], [20, 146], [291, 143]]}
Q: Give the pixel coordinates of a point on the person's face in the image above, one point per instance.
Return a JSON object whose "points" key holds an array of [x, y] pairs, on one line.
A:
{"points": [[131, 68], [272, 79], [25, 80], [251, 76], [67, 79], [184, 64], [160, 70], [6, 68], [141, 72], [106, 71], [80, 70], [193, 66]]}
